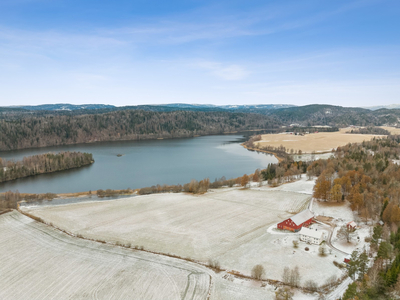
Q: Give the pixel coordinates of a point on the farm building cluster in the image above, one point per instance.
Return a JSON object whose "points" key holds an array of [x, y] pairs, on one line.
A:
{"points": [[299, 223]]}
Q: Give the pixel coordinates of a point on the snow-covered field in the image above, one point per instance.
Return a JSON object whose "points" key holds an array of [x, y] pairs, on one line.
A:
{"points": [[231, 225], [200, 227], [340, 211], [39, 262]]}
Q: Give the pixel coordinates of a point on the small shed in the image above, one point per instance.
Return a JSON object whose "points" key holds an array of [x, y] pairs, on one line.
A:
{"points": [[311, 236], [347, 259], [351, 225]]}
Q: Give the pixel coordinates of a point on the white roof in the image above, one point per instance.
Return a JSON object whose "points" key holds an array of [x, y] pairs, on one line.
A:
{"points": [[303, 216], [352, 224], [311, 232]]}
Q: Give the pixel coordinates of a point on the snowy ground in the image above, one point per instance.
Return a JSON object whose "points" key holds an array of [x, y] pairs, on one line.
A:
{"points": [[311, 157], [301, 186], [357, 242], [340, 212], [231, 225], [40, 262]]}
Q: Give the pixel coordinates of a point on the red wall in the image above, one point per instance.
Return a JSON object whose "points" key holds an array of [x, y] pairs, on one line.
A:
{"points": [[289, 225]]}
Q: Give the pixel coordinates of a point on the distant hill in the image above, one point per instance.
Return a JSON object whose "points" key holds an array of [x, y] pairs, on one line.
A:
{"points": [[65, 106], [308, 115], [391, 106], [311, 115], [153, 107]]}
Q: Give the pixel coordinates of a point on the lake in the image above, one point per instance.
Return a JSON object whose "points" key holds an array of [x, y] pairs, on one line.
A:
{"points": [[144, 163]]}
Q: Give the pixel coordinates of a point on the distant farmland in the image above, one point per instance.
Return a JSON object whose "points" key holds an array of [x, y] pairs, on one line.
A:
{"points": [[318, 142]]}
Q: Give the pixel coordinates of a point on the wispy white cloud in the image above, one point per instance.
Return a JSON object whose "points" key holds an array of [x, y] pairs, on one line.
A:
{"points": [[223, 71]]}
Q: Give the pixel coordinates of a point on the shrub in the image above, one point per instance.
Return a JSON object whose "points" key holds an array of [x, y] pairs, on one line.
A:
{"points": [[214, 264], [311, 285], [257, 272]]}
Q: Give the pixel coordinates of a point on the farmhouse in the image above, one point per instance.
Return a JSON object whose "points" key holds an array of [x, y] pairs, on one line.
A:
{"points": [[311, 236], [299, 220]]}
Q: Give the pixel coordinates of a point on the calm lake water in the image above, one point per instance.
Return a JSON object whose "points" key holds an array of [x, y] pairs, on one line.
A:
{"points": [[144, 163]]}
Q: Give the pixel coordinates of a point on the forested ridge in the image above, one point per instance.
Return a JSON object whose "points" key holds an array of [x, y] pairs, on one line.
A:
{"points": [[312, 115], [49, 130], [43, 163]]}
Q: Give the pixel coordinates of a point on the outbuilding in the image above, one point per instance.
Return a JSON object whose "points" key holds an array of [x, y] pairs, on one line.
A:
{"points": [[347, 259], [351, 225], [299, 220], [311, 236]]}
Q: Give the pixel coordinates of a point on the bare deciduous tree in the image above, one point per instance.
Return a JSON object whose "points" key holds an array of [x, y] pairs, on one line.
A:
{"points": [[284, 293], [258, 272], [286, 275], [345, 233], [214, 264], [311, 285], [295, 277], [322, 250]]}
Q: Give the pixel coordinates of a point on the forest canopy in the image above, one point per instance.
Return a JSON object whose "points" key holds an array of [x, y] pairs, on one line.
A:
{"points": [[43, 163], [49, 130]]}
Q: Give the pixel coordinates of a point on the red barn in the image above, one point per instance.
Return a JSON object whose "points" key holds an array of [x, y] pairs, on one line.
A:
{"points": [[295, 223]]}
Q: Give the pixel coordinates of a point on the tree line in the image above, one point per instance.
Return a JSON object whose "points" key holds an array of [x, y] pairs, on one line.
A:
{"points": [[50, 130], [42, 163], [367, 175], [370, 130], [364, 174]]}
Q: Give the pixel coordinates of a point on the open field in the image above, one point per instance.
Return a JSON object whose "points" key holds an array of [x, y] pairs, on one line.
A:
{"points": [[39, 262], [199, 227], [392, 130], [318, 142], [233, 226], [42, 263]]}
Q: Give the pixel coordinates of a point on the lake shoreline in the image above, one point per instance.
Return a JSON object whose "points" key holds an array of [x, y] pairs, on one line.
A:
{"points": [[162, 137], [144, 164], [279, 158]]}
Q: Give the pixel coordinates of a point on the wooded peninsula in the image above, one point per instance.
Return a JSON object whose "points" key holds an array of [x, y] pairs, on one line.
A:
{"points": [[43, 163]]}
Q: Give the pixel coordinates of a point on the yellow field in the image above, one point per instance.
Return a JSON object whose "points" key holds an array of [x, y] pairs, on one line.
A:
{"points": [[392, 130], [318, 142]]}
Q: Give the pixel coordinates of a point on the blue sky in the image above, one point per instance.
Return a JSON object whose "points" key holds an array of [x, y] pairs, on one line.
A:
{"points": [[342, 52]]}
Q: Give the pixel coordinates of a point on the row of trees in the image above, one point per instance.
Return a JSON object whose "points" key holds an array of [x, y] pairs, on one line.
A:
{"points": [[9, 200], [43, 163], [370, 130], [202, 186]]}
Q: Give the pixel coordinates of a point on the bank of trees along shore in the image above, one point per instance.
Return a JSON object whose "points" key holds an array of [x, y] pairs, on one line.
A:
{"points": [[43, 163], [48, 130]]}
